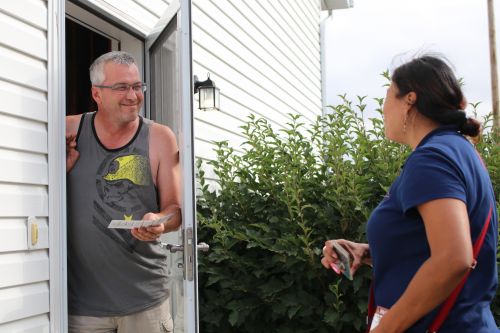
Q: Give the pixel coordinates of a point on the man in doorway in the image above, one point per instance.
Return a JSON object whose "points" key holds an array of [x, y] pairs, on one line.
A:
{"points": [[125, 167]]}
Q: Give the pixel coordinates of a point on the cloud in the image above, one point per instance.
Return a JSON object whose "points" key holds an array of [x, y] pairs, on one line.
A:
{"points": [[363, 41]]}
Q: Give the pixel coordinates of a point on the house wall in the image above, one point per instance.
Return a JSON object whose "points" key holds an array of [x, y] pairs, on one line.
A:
{"points": [[263, 55], [265, 58], [24, 273]]}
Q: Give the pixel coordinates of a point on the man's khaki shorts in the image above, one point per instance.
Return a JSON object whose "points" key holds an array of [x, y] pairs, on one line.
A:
{"points": [[154, 320]]}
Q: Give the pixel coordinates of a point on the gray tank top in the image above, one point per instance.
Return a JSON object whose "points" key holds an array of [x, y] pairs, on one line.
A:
{"points": [[111, 273]]}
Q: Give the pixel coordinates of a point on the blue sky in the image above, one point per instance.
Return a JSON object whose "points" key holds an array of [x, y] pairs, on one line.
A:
{"points": [[363, 41]]}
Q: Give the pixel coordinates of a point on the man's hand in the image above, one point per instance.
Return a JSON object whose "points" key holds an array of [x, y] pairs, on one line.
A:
{"points": [[149, 234], [71, 153]]}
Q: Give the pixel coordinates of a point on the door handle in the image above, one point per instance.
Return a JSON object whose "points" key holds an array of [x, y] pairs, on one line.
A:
{"points": [[204, 247], [189, 252], [173, 247]]}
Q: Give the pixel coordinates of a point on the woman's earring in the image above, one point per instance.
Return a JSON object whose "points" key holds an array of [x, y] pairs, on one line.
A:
{"points": [[404, 123]]}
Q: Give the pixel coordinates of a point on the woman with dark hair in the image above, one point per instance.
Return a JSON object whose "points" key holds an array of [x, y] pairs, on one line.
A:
{"points": [[432, 241]]}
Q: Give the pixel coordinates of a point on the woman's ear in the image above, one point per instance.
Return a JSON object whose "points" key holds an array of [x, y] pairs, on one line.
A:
{"points": [[411, 98]]}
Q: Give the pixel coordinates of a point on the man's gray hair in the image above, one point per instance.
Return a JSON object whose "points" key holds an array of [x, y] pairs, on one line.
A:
{"points": [[96, 70]]}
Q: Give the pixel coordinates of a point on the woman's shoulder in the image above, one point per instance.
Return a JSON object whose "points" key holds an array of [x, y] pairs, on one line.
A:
{"points": [[448, 145]]}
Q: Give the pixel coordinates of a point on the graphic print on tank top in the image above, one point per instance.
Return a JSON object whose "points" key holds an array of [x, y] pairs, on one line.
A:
{"points": [[121, 181]]}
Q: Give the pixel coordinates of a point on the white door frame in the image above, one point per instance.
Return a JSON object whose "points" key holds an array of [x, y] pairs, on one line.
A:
{"points": [[56, 105], [57, 165], [187, 162]]}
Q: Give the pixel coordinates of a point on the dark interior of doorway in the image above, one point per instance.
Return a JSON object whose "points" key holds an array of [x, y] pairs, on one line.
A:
{"points": [[82, 47]]}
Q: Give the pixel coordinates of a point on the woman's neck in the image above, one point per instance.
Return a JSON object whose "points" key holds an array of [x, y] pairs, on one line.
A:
{"points": [[420, 127]]}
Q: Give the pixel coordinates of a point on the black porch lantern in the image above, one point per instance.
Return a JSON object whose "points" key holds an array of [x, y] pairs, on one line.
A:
{"points": [[208, 97]]}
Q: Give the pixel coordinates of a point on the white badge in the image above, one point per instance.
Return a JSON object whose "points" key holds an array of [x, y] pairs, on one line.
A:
{"points": [[379, 313]]}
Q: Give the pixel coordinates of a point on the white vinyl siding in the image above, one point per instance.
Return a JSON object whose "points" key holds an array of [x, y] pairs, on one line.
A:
{"points": [[24, 282], [36, 324], [265, 58], [263, 55]]}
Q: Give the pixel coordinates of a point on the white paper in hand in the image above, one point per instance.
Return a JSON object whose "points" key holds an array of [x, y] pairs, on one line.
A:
{"points": [[345, 259], [130, 224]]}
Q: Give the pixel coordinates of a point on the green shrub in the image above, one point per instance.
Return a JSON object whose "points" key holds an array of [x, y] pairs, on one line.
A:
{"points": [[276, 204], [489, 148]]}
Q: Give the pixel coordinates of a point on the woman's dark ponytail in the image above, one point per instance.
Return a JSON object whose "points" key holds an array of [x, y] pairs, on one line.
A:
{"points": [[471, 127]]}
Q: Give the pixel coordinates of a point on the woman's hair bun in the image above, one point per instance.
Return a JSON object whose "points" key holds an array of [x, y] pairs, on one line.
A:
{"points": [[471, 127]]}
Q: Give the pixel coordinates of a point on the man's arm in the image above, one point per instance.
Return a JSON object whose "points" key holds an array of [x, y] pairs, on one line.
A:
{"points": [[165, 154]]}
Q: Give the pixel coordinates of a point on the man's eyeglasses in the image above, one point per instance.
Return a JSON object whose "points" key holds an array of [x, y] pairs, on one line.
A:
{"points": [[123, 88]]}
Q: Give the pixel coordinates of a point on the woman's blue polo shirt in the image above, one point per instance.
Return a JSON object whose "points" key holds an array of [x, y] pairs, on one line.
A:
{"points": [[444, 165]]}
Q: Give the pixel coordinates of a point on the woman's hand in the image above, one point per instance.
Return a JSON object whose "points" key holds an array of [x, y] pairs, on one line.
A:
{"points": [[359, 252]]}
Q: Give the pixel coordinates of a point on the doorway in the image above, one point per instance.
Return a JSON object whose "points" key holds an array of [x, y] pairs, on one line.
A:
{"points": [[83, 45], [164, 59], [88, 37]]}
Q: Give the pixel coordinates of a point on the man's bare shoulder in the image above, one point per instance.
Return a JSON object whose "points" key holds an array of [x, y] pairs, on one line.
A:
{"points": [[72, 123], [162, 133]]}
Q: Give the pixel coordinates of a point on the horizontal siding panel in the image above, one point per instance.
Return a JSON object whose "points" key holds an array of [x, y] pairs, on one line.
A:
{"points": [[247, 98], [251, 60], [22, 37], [306, 30], [254, 40], [268, 36], [204, 149], [23, 301], [155, 7], [240, 87], [19, 68], [278, 93], [23, 102], [14, 234], [20, 167], [233, 108], [23, 200], [230, 118], [23, 134], [291, 31], [245, 48], [236, 114], [312, 11], [306, 26], [30, 11], [268, 29], [23, 268], [209, 131], [37, 324]]}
